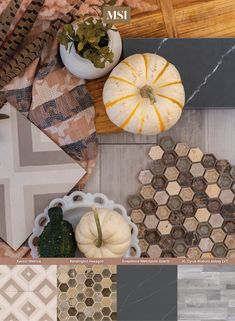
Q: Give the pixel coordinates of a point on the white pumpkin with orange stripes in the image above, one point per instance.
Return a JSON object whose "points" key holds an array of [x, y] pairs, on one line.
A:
{"points": [[144, 94]]}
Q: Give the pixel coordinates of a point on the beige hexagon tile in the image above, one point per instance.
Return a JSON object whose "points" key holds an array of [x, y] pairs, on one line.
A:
{"points": [[161, 197], [216, 220], [230, 241], [218, 235], [137, 216], [226, 196], [163, 212], [182, 149], [206, 244], [202, 215], [197, 169], [164, 227], [147, 192], [145, 177], [187, 194], [173, 188], [190, 224], [156, 152], [154, 251], [194, 253], [171, 173], [151, 221], [195, 155], [211, 175], [213, 190]]}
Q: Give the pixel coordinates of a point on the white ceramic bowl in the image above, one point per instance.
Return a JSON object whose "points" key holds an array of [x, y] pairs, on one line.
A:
{"points": [[84, 68], [76, 205]]}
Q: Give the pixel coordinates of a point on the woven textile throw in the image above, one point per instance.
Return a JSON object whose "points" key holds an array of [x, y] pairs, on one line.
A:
{"points": [[34, 81]]}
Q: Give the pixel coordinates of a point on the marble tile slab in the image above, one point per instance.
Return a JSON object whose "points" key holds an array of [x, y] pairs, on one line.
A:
{"points": [[206, 67], [147, 293], [33, 171], [28, 293], [206, 293], [87, 293]]}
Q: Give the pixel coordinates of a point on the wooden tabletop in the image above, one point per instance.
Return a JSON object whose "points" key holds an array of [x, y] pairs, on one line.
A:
{"points": [[173, 19]]}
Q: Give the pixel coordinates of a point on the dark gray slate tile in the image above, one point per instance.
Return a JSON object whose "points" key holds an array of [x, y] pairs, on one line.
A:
{"points": [[206, 66], [147, 293]]}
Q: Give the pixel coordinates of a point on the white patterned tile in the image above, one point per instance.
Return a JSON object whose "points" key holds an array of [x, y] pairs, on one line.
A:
{"points": [[26, 176], [12, 280], [13, 310], [28, 293], [5, 274], [43, 273], [43, 308]]}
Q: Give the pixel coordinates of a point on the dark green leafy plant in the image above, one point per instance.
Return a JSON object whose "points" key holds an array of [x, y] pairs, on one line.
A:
{"points": [[57, 238], [90, 40]]}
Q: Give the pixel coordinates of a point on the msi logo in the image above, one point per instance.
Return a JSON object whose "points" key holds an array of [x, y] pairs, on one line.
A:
{"points": [[116, 14]]}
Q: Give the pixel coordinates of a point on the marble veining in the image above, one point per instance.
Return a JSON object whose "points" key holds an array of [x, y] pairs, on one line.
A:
{"points": [[161, 44], [141, 287], [228, 52]]}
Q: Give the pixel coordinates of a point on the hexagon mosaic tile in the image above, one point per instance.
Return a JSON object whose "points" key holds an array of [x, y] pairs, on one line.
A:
{"points": [[87, 293], [186, 204]]}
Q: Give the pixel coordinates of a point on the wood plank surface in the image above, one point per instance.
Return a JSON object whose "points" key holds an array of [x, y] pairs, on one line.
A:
{"points": [[173, 18], [169, 18]]}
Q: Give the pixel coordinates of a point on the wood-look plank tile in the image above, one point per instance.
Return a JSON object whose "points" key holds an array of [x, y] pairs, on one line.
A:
{"points": [[93, 185], [219, 126], [120, 167], [190, 129], [206, 293], [127, 138]]}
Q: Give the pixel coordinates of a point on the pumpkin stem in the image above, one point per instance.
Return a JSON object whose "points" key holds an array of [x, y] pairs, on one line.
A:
{"points": [[97, 222], [147, 92]]}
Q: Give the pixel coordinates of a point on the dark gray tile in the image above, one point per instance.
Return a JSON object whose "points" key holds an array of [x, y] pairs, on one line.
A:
{"points": [[147, 293], [203, 64]]}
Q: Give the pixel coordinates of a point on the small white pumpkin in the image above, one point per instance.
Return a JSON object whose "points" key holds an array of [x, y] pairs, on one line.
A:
{"points": [[103, 233], [144, 94]]}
